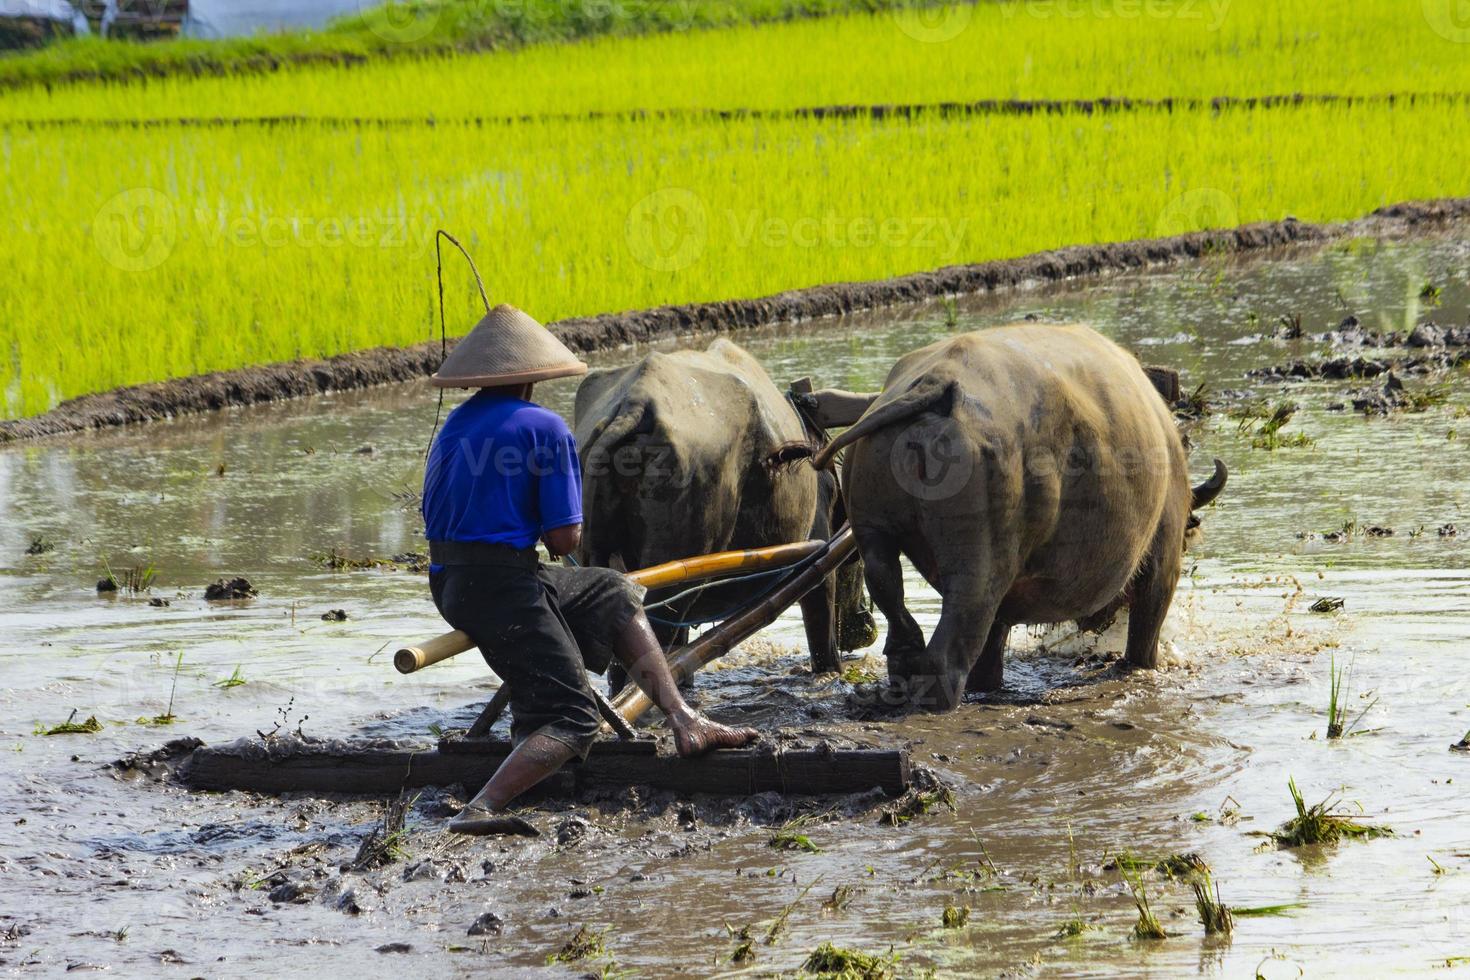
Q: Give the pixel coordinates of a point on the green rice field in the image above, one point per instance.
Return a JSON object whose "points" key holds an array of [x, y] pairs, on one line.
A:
{"points": [[1032, 49], [144, 253]]}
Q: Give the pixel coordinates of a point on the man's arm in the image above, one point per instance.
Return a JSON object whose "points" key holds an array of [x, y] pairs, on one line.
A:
{"points": [[563, 540]]}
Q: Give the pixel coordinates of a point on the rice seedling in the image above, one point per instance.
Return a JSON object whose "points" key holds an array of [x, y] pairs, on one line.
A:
{"points": [[1322, 823], [790, 840], [384, 843], [955, 917], [168, 717], [1339, 725], [39, 546], [1148, 925], [71, 726], [236, 679], [1018, 49], [171, 228], [133, 580], [778, 925], [840, 900], [828, 960], [584, 944], [1213, 913]]}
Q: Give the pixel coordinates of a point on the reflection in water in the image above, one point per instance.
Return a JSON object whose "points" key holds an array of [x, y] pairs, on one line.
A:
{"points": [[1149, 764]]}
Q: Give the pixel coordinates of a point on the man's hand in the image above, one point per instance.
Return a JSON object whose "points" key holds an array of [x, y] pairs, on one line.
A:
{"points": [[563, 540]]}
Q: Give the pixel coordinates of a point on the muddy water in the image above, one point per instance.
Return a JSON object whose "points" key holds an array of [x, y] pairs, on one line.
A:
{"points": [[1073, 764]]}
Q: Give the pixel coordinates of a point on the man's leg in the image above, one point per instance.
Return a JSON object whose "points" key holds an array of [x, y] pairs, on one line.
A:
{"points": [[526, 641], [638, 650], [538, 757]]}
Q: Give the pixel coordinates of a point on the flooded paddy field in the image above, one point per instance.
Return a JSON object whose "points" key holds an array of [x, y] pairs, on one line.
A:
{"points": [[1075, 769]]}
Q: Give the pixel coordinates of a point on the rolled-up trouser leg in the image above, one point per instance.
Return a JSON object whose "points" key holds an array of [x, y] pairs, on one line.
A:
{"points": [[597, 604], [512, 616]]}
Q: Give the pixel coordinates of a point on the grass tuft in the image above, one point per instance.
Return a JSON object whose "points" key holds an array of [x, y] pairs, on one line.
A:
{"points": [[839, 963], [1148, 926], [236, 679], [584, 944], [1339, 724], [955, 916], [1322, 823], [133, 580], [71, 726], [1213, 913]]}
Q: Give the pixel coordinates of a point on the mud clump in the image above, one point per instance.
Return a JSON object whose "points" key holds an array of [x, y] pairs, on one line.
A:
{"points": [[334, 616], [235, 588], [159, 762], [1428, 335], [487, 924]]}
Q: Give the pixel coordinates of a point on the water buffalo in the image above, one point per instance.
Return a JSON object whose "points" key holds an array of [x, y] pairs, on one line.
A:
{"points": [[674, 453], [1032, 474]]}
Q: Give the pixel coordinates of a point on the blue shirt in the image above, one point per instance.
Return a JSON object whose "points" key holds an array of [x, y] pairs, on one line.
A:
{"points": [[503, 471]]}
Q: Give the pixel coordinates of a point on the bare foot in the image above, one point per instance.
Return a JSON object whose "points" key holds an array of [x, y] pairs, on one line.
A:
{"points": [[698, 735], [476, 821]]}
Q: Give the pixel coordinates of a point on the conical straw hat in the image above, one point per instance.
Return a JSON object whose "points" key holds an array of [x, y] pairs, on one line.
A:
{"points": [[508, 347]]}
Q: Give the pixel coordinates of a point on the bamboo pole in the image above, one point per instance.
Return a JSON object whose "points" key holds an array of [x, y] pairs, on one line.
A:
{"points": [[632, 702], [414, 658]]}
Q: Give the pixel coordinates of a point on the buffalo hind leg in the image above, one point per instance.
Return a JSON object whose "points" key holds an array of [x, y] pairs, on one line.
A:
{"points": [[884, 577], [988, 674], [1153, 592], [968, 612]]}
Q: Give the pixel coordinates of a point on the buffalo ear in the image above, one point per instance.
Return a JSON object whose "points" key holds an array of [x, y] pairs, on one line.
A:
{"points": [[1165, 381]]}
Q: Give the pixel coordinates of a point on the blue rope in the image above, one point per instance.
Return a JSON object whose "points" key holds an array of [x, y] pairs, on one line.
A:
{"points": [[783, 573]]}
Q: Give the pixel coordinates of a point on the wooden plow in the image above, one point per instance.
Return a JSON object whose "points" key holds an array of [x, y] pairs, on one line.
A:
{"points": [[379, 767]]}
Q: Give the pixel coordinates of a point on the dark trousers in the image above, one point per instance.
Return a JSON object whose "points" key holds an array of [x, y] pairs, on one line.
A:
{"points": [[541, 631]]}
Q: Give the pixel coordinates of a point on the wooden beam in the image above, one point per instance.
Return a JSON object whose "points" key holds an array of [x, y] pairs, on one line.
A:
{"points": [[383, 768]]}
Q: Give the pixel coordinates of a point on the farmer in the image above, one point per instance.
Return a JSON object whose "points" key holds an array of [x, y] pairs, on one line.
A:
{"points": [[502, 475]]}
